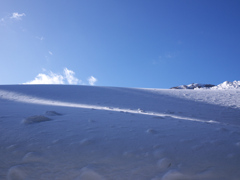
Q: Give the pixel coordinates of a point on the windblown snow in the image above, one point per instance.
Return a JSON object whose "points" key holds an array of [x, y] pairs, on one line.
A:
{"points": [[104, 133]]}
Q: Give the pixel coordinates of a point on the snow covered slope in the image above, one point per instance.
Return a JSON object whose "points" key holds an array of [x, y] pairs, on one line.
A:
{"points": [[224, 85], [228, 85], [82, 133]]}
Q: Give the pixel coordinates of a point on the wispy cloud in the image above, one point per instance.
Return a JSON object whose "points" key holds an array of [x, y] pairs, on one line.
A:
{"points": [[170, 55], [50, 52], [40, 38], [67, 77], [165, 57], [4, 21], [17, 16], [92, 80]]}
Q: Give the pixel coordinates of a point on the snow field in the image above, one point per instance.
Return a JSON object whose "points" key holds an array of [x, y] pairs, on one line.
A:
{"points": [[79, 132]]}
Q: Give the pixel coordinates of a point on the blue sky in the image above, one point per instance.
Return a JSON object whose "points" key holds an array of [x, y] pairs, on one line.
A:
{"points": [[124, 43]]}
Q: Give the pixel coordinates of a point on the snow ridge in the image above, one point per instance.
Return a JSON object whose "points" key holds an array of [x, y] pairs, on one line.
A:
{"points": [[224, 85], [228, 85]]}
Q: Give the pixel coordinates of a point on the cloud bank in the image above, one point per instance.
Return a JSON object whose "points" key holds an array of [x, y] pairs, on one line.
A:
{"points": [[67, 77]]}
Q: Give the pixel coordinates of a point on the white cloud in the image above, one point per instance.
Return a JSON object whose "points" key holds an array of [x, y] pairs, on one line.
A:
{"points": [[69, 76], [92, 80], [17, 16], [52, 78], [50, 52]]}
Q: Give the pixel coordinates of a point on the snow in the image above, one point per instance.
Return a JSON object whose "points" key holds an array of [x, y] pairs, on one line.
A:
{"points": [[228, 85], [88, 132], [197, 86], [193, 86]]}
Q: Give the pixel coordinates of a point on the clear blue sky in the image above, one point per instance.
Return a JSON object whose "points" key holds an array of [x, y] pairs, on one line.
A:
{"points": [[124, 43]]}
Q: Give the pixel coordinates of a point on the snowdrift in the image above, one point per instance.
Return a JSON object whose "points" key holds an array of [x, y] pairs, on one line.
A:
{"points": [[85, 132]]}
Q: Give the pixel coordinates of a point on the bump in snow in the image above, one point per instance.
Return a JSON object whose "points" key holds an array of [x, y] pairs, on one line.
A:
{"points": [[35, 119], [52, 113]]}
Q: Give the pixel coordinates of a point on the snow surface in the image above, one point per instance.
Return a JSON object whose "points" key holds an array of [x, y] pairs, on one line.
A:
{"points": [[228, 85], [103, 133]]}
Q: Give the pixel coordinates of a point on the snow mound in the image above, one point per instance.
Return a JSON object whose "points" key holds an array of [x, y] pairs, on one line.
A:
{"points": [[35, 119], [228, 85]]}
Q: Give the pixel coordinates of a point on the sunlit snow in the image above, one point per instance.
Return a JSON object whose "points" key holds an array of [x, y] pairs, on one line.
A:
{"points": [[87, 132]]}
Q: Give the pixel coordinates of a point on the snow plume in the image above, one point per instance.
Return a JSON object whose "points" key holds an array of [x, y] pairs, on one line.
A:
{"points": [[17, 16], [92, 80], [67, 77]]}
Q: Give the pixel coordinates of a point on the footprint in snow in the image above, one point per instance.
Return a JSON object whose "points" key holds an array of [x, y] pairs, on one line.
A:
{"points": [[197, 147], [33, 157], [222, 129], [231, 155], [164, 163], [17, 172], [89, 174], [151, 131], [91, 121], [238, 144], [84, 142]]}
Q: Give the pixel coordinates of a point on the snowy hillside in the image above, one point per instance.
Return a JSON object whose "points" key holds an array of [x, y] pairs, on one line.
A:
{"points": [[224, 85], [228, 85], [84, 133]]}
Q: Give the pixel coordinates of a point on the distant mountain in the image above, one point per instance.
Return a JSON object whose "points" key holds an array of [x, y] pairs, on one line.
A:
{"points": [[224, 85], [193, 86], [228, 85]]}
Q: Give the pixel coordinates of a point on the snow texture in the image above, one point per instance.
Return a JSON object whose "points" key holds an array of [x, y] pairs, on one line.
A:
{"points": [[103, 133]]}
